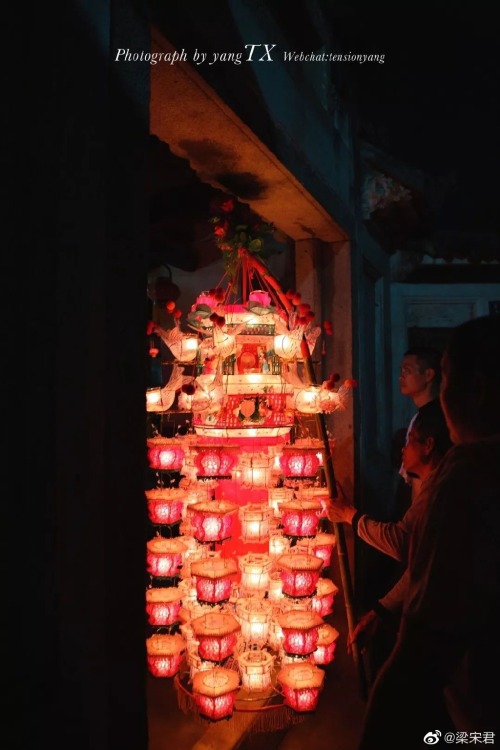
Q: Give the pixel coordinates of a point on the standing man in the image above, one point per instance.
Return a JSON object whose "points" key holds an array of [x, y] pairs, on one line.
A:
{"points": [[448, 648], [420, 379]]}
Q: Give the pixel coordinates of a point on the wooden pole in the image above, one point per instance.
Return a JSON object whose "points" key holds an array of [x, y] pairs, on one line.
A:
{"points": [[331, 484]]}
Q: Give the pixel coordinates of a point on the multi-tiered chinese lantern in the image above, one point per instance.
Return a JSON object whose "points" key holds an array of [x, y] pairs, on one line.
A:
{"points": [[243, 527]]}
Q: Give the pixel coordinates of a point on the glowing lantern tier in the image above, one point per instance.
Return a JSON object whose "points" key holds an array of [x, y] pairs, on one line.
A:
{"points": [[255, 520], [215, 692], [299, 573], [254, 616], [164, 557], [300, 518], [301, 685], [255, 569], [215, 461], [300, 631], [216, 633], [212, 521], [164, 654], [163, 605], [255, 668], [165, 454], [165, 505], [213, 579]]}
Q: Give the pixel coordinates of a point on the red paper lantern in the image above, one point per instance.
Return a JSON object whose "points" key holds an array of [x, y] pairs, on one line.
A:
{"points": [[164, 557], [163, 605], [322, 601], [299, 463], [301, 685], [215, 692], [215, 461], [213, 579], [165, 454], [300, 631], [164, 654], [212, 521], [300, 518], [165, 505], [216, 633], [325, 649], [299, 573]]}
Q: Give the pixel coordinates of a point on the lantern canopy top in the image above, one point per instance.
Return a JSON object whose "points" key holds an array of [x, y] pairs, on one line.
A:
{"points": [[214, 507], [215, 682], [327, 634], [165, 645], [301, 505], [299, 619], [215, 623], [301, 675], [161, 546], [298, 561], [218, 567], [164, 595], [325, 586]]}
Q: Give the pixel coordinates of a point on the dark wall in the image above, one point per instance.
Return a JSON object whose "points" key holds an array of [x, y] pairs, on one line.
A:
{"points": [[78, 125]]}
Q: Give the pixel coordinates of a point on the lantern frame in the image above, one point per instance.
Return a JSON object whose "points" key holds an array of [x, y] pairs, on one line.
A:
{"points": [[299, 573], [215, 692]]}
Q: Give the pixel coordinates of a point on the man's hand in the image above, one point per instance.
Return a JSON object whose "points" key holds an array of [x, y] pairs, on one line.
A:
{"points": [[364, 631], [340, 509]]}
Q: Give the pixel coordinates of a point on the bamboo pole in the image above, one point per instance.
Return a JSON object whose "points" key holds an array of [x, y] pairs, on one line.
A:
{"points": [[331, 484]]}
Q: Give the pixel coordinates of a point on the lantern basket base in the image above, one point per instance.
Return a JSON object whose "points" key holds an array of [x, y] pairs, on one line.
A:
{"points": [[294, 538], [248, 717], [159, 582], [171, 529], [297, 596], [213, 542], [203, 478], [299, 657], [213, 604]]}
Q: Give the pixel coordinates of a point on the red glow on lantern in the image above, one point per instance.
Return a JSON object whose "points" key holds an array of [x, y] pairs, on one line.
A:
{"points": [[325, 650], [301, 684], [213, 590], [301, 699], [164, 557], [212, 521], [299, 463], [299, 573], [300, 518], [322, 605], [300, 642], [214, 461], [324, 654], [164, 455], [215, 708], [162, 606], [164, 666], [298, 583], [165, 511], [164, 654], [216, 647]]}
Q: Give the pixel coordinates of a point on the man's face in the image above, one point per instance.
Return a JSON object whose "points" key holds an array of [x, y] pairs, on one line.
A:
{"points": [[412, 378]]}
